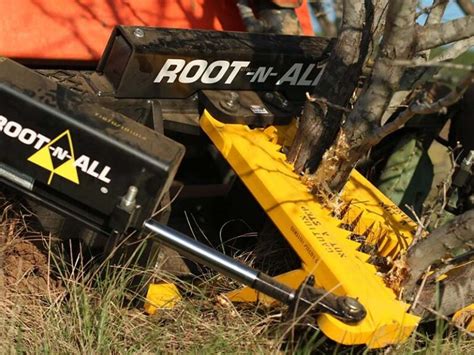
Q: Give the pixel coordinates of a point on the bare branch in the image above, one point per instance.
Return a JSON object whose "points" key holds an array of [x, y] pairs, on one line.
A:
{"points": [[338, 10], [456, 301], [398, 43], [429, 10], [328, 27], [417, 108], [436, 12], [399, 29], [433, 63], [380, 13], [455, 50], [410, 77], [432, 36], [467, 6]]}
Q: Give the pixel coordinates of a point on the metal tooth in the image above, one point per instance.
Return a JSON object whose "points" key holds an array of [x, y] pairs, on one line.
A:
{"points": [[344, 210], [380, 239], [369, 247], [356, 221], [369, 229]]}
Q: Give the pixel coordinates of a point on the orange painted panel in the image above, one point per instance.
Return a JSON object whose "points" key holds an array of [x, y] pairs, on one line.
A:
{"points": [[79, 29]]}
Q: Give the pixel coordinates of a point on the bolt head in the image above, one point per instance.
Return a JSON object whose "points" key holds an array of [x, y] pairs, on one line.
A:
{"points": [[352, 305], [230, 103], [138, 32]]}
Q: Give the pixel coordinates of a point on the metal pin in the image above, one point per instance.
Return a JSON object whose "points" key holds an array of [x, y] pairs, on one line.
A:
{"points": [[129, 200]]}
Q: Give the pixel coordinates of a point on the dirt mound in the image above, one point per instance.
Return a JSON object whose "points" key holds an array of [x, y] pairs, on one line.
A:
{"points": [[24, 268]]}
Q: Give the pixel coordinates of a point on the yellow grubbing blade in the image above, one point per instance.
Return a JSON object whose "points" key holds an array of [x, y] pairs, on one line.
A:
{"points": [[322, 236]]}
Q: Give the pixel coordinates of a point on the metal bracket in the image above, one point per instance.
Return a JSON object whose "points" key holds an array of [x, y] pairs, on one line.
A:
{"points": [[255, 109]]}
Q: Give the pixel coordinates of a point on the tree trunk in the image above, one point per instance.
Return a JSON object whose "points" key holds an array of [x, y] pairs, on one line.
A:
{"points": [[321, 120], [353, 141]]}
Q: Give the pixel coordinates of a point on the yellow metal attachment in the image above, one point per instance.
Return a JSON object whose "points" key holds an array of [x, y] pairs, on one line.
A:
{"points": [[161, 296], [465, 318], [327, 237]]}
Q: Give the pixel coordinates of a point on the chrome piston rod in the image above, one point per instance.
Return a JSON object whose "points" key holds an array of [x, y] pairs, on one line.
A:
{"points": [[306, 297], [217, 261]]}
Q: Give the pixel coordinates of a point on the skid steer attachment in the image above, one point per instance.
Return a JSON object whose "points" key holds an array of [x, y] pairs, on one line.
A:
{"points": [[88, 145], [329, 239]]}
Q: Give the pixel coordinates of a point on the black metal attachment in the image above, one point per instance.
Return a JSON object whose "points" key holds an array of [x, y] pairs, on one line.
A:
{"points": [[76, 156], [172, 63], [249, 107], [306, 299], [313, 300]]}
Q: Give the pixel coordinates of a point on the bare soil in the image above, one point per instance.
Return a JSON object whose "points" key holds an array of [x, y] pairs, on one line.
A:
{"points": [[24, 267]]}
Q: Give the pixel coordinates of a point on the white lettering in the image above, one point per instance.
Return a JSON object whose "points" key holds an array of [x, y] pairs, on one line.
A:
{"points": [[185, 77], [27, 136], [236, 65], [170, 70], [304, 78], [59, 153], [103, 175], [222, 64], [261, 75], [82, 163], [41, 140], [12, 129], [200, 69], [91, 170], [292, 75], [3, 122]]}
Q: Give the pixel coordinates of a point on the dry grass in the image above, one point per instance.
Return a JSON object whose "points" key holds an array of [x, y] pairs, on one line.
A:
{"points": [[72, 308]]}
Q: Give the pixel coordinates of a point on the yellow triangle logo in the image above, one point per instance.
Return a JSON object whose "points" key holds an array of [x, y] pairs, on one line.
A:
{"points": [[68, 171], [44, 159]]}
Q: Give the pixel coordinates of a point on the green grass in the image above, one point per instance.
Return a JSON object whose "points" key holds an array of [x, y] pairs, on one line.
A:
{"points": [[87, 310]]}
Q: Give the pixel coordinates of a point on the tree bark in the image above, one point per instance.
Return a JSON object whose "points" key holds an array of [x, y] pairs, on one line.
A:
{"points": [[447, 296], [320, 123], [454, 234], [352, 144], [413, 75], [443, 33], [467, 6], [456, 290]]}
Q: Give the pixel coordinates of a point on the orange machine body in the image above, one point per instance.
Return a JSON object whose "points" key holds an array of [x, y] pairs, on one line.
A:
{"points": [[79, 29]]}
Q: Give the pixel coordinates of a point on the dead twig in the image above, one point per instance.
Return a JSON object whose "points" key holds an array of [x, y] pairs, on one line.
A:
{"points": [[325, 102]]}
